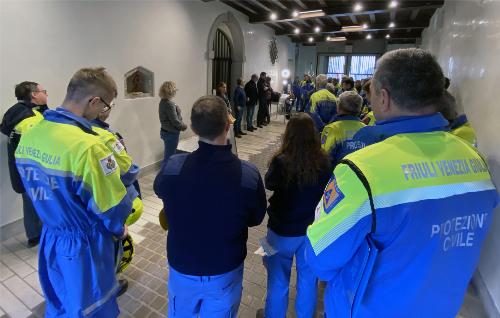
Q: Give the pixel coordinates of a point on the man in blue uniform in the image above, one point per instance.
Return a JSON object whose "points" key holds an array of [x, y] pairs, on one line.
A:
{"points": [[74, 182], [210, 198], [400, 226]]}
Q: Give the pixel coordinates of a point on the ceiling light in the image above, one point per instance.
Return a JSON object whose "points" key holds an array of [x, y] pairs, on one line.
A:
{"points": [[311, 39], [369, 36], [295, 13], [316, 29], [393, 4], [273, 16], [365, 26], [336, 39], [392, 25], [358, 7], [311, 14], [352, 28], [296, 31], [387, 36]]}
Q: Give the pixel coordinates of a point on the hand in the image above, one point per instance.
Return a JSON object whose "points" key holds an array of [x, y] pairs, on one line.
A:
{"points": [[125, 232]]}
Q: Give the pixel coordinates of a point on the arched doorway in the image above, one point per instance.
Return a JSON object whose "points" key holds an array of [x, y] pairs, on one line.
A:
{"points": [[221, 65], [225, 27]]}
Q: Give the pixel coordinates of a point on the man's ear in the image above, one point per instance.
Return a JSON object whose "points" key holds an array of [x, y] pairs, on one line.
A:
{"points": [[385, 101]]}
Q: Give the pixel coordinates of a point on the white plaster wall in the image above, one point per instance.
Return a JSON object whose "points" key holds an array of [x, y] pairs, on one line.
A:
{"points": [[47, 41], [465, 37]]}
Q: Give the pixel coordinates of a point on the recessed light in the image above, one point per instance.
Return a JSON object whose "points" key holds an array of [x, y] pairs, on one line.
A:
{"points": [[295, 13], [365, 26], [316, 29], [273, 16], [393, 4], [311, 39], [369, 36], [296, 31], [328, 38], [358, 7], [392, 25], [387, 36]]}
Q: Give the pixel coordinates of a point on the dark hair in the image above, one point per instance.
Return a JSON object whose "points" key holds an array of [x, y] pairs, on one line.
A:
{"points": [[91, 81], [301, 151], [446, 83], [263, 74], [239, 81], [412, 77], [254, 76], [209, 116], [23, 90], [219, 85], [367, 86], [348, 80]]}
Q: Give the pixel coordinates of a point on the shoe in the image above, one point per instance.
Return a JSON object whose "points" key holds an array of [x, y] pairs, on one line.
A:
{"points": [[33, 242], [260, 313], [265, 124], [242, 133], [237, 135], [251, 129], [260, 126], [123, 286], [254, 128]]}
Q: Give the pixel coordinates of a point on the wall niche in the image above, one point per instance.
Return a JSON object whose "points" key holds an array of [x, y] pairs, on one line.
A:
{"points": [[139, 83]]}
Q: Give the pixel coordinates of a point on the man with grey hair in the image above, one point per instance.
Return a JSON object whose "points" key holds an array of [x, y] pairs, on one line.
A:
{"points": [[323, 104], [343, 128], [399, 215], [211, 198], [18, 119]]}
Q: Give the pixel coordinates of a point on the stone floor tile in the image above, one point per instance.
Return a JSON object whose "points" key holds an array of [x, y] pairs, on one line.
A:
{"points": [[12, 306], [23, 292]]}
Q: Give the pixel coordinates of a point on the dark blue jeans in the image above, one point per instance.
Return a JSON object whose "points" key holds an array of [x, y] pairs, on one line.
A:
{"points": [[250, 113], [239, 117], [32, 223], [170, 140]]}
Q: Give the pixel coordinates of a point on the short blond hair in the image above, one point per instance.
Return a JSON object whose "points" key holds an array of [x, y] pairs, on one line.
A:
{"points": [[167, 90], [91, 81]]}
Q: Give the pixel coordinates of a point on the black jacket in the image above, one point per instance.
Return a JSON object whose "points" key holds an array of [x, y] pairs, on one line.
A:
{"points": [[261, 84], [251, 92], [291, 207], [11, 118]]}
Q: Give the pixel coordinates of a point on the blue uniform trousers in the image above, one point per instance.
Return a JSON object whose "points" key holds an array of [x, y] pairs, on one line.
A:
{"points": [[77, 273], [279, 267], [204, 296], [171, 141]]}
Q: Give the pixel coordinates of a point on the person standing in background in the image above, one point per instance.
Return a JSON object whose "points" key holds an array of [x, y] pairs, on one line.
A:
{"points": [[239, 105], [170, 119], [252, 98], [20, 118], [263, 109]]}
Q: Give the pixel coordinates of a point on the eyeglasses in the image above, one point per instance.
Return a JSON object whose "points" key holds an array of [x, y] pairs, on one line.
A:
{"points": [[108, 106], [42, 91]]}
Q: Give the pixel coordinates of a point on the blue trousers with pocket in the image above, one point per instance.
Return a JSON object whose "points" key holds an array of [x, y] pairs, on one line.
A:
{"points": [[279, 267], [216, 296]]}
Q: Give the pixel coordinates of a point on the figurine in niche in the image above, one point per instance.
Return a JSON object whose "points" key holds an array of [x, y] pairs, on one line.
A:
{"points": [[136, 84]]}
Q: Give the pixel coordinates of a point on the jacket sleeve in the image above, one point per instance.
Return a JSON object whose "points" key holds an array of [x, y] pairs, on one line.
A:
{"points": [[102, 190], [169, 110], [342, 221], [255, 197]]}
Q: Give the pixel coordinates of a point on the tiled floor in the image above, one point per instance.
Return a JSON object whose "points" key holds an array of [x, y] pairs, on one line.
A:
{"points": [[21, 296]]}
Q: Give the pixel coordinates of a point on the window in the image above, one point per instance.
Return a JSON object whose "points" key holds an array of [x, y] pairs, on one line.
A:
{"points": [[336, 66], [362, 66]]}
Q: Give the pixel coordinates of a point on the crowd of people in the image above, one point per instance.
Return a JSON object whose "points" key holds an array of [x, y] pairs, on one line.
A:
{"points": [[407, 200]]}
